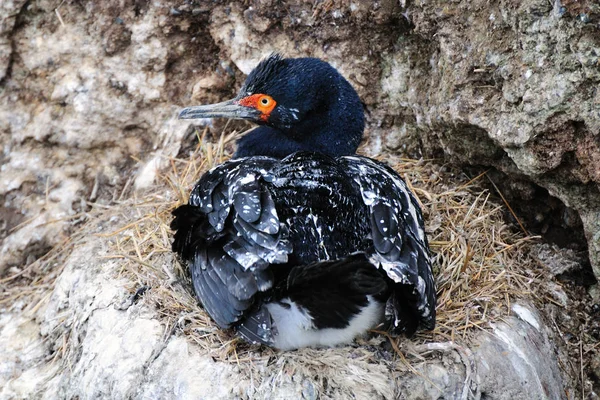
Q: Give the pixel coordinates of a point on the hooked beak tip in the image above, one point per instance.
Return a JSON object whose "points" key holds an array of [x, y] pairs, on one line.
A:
{"points": [[183, 114]]}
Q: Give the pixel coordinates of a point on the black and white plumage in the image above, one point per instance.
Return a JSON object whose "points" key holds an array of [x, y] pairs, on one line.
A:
{"points": [[309, 249]]}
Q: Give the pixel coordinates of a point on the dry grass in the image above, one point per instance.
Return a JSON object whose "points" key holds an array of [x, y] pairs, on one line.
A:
{"points": [[481, 264], [31, 286], [144, 244]]}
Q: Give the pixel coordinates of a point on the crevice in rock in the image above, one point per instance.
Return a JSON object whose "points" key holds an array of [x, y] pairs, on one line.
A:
{"points": [[10, 217], [32, 252], [19, 22], [178, 68], [466, 142], [567, 150], [544, 215]]}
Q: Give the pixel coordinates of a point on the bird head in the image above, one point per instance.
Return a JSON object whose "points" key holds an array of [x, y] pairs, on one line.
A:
{"points": [[300, 98]]}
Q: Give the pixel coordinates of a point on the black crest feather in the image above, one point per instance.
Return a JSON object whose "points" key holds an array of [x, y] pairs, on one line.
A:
{"points": [[263, 75]]}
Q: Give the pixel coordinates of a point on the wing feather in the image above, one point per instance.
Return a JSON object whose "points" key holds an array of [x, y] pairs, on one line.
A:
{"points": [[399, 244], [204, 288], [229, 234]]}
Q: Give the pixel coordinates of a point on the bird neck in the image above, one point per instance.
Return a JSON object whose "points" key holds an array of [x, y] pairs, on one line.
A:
{"points": [[267, 141]]}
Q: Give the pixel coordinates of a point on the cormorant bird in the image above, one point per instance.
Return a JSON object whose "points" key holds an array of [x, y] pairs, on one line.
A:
{"points": [[297, 241]]}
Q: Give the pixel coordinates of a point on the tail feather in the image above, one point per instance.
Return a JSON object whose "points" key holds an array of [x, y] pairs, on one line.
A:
{"points": [[257, 327], [192, 229]]}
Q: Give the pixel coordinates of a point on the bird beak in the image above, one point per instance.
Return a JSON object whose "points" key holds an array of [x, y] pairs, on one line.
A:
{"points": [[228, 109]]}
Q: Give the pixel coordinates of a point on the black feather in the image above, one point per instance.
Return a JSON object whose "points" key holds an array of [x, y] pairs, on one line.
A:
{"points": [[257, 327]]}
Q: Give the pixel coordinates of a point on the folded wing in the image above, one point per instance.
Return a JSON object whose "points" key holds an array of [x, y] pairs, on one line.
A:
{"points": [[229, 234], [399, 244]]}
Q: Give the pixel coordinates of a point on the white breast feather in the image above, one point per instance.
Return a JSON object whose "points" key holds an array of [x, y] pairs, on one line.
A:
{"points": [[295, 328]]}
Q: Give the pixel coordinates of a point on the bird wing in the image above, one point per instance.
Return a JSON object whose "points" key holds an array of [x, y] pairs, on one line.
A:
{"points": [[230, 233], [399, 244]]}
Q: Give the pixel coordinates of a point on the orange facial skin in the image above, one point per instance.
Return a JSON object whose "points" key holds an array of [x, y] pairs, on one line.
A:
{"points": [[262, 102]]}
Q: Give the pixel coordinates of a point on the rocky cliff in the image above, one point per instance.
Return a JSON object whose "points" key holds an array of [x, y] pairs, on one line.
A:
{"points": [[88, 98]]}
